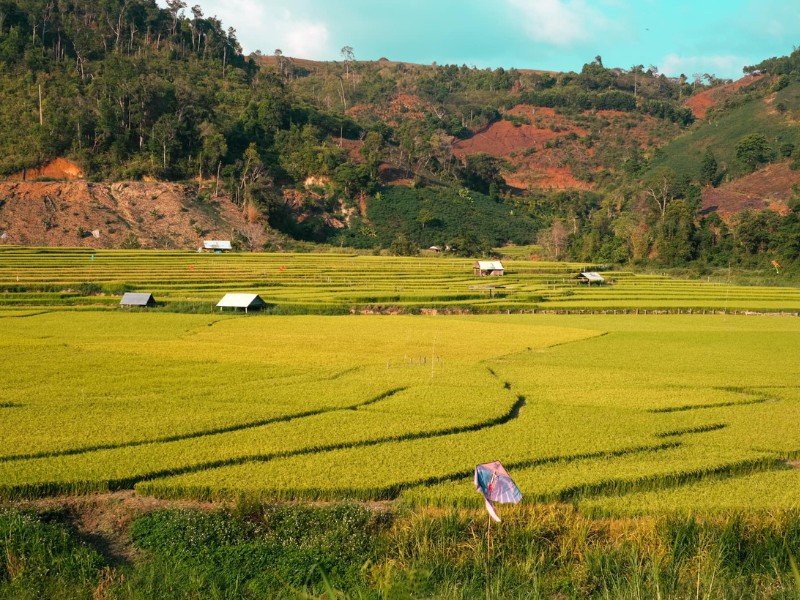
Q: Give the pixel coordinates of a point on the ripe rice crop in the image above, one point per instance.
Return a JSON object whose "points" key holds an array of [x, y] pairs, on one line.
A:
{"points": [[607, 411]]}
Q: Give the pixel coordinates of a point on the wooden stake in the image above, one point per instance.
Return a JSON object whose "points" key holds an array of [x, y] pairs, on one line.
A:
{"points": [[489, 557]]}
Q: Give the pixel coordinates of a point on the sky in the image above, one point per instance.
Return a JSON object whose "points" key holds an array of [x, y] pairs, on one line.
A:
{"points": [[688, 37]]}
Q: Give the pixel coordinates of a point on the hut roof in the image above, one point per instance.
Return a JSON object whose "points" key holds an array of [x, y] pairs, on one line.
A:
{"points": [[137, 299], [217, 245], [241, 301], [489, 265], [592, 276]]}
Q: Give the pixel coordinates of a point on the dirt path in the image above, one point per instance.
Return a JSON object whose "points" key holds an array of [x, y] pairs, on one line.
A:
{"points": [[103, 520]]}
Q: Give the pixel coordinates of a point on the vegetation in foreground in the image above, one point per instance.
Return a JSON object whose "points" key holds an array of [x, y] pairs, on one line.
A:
{"points": [[348, 551]]}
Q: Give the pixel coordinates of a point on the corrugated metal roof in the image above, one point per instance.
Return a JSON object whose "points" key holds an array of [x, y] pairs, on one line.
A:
{"points": [[593, 276], [240, 301], [490, 265], [136, 299], [217, 245]]}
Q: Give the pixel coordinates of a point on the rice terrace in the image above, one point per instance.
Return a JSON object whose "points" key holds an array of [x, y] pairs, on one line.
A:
{"points": [[381, 379]]}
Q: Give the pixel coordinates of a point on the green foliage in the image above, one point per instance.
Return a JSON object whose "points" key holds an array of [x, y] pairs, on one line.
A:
{"points": [[728, 126], [784, 65], [269, 551], [40, 557], [472, 222], [708, 168], [754, 150]]}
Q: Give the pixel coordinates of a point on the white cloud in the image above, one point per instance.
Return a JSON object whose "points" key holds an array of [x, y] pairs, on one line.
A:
{"points": [[305, 39], [266, 25], [561, 22], [721, 65]]}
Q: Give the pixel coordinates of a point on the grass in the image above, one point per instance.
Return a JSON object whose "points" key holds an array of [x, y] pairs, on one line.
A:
{"points": [[349, 551]]}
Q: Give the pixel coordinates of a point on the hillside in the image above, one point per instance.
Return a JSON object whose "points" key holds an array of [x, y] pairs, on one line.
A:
{"points": [[600, 164], [773, 113], [768, 188], [131, 214], [705, 100]]}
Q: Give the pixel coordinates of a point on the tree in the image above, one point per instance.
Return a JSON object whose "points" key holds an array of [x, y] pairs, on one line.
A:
{"points": [[675, 243], [754, 150], [402, 246], [165, 132], [214, 150], [425, 216], [660, 185], [175, 7], [708, 168], [554, 239], [349, 56], [372, 151], [280, 61]]}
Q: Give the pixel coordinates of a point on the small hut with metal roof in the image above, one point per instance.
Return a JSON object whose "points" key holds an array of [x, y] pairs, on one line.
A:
{"points": [[217, 246], [137, 299], [488, 268], [590, 277], [245, 301]]}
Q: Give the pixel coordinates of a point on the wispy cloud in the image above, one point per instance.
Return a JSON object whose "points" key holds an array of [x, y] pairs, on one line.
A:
{"points": [[674, 64], [267, 25], [561, 22], [306, 39]]}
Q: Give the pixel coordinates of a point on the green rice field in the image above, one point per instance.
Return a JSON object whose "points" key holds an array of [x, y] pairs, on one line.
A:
{"points": [[617, 413]]}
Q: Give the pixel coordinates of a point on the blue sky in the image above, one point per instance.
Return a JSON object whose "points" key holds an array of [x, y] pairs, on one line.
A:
{"points": [[677, 36]]}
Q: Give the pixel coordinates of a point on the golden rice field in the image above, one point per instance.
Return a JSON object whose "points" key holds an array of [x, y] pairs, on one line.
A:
{"points": [[617, 413], [341, 283]]}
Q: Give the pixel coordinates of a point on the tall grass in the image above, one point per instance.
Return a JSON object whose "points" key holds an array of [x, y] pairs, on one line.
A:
{"points": [[350, 551]]}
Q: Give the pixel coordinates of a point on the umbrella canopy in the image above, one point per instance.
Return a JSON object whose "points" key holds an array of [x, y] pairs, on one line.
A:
{"points": [[494, 482]]}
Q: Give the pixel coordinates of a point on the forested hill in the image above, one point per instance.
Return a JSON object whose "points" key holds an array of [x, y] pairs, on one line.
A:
{"points": [[602, 164]]}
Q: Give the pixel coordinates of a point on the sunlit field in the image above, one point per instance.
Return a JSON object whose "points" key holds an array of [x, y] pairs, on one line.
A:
{"points": [[603, 410], [344, 283]]}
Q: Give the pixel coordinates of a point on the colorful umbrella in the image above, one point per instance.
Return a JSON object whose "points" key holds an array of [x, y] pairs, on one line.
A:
{"points": [[494, 482]]}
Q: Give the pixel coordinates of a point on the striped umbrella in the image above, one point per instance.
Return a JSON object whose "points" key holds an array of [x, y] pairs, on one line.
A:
{"points": [[494, 482]]}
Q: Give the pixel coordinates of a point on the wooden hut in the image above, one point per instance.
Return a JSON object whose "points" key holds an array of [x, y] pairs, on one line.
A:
{"points": [[245, 301], [488, 268], [217, 246], [590, 277], [137, 299]]}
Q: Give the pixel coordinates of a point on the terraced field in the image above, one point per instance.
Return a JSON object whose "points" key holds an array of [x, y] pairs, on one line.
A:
{"points": [[624, 413], [341, 283]]}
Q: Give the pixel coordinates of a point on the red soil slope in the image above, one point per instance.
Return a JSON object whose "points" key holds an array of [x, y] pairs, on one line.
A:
{"points": [[769, 188], [523, 145], [59, 168], [550, 152], [160, 215], [703, 101]]}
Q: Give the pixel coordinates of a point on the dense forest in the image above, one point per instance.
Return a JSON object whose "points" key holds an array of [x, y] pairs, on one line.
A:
{"points": [[131, 91]]}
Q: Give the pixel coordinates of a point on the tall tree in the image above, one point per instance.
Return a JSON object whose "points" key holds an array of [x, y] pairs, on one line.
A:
{"points": [[754, 150], [708, 168], [660, 186]]}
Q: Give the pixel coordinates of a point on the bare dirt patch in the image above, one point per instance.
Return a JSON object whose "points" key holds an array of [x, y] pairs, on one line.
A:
{"points": [[768, 188], [103, 520], [702, 102], [59, 168], [504, 137], [159, 215]]}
